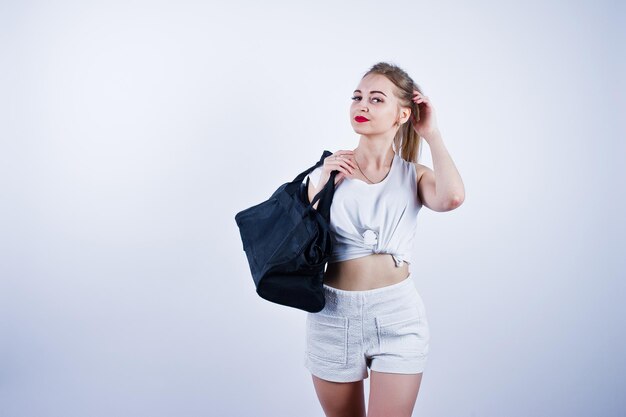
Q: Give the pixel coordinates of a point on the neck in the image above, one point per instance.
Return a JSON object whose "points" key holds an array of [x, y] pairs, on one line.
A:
{"points": [[375, 151]]}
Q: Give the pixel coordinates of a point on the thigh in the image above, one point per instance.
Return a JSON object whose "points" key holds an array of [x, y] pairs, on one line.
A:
{"points": [[393, 394], [399, 336], [340, 399]]}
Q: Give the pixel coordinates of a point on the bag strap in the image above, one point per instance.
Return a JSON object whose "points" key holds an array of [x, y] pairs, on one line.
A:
{"points": [[325, 195], [293, 186]]}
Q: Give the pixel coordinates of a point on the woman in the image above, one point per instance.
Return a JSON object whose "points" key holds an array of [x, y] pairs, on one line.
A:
{"points": [[374, 317]]}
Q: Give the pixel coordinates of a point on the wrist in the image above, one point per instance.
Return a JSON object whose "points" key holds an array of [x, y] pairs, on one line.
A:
{"points": [[432, 135]]}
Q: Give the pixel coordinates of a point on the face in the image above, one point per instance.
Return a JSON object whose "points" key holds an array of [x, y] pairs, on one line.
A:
{"points": [[375, 100]]}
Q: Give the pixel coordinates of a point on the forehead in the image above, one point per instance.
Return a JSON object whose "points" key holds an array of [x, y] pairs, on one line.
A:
{"points": [[376, 82]]}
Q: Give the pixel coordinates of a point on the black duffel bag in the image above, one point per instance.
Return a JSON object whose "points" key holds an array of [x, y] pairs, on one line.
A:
{"points": [[288, 242]]}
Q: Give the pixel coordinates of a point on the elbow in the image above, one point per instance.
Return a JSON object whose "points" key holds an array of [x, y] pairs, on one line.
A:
{"points": [[454, 202]]}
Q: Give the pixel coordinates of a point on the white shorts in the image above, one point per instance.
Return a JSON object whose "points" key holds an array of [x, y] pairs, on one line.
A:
{"points": [[384, 329]]}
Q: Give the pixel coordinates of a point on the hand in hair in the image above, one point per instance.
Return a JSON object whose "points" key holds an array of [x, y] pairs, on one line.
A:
{"points": [[426, 125]]}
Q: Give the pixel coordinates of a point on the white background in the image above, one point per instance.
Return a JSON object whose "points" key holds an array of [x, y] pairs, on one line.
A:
{"points": [[132, 132]]}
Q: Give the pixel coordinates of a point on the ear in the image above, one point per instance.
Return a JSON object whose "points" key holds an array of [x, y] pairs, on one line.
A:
{"points": [[406, 113]]}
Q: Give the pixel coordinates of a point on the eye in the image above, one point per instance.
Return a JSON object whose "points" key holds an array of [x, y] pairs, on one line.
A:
{"points": [[354, 98]]}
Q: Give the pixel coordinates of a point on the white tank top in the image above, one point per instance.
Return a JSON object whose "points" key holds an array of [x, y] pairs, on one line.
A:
{"points": [[375, 218]]}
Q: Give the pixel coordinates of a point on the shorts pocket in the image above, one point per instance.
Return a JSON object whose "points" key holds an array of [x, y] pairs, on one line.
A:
{"points": [[404, 331], [327, 337]]}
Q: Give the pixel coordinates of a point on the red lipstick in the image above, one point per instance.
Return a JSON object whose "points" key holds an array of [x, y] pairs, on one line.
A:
{"points": [[361, 119]]}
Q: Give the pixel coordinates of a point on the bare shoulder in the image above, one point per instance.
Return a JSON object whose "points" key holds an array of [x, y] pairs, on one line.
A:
{"points": [[420, 170]]}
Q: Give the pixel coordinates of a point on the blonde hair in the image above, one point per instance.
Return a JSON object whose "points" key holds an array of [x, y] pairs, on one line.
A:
{"points": [[407, 142]]}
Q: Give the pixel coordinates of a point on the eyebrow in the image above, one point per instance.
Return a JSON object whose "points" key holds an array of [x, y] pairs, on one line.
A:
{"points": [[371, 92]]}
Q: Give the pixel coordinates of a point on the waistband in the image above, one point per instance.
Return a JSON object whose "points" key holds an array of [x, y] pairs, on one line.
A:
{"points": [[387, 289]]}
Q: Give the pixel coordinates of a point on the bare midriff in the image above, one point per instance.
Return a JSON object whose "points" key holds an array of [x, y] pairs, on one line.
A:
{"points": [[365, 273]]}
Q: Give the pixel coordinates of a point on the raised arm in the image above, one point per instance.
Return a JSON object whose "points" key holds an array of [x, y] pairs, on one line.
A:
{"points": [[441, 189]]}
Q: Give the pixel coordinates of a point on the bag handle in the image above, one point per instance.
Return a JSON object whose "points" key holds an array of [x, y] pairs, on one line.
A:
{"points": [[325, 196], [293, 186]]}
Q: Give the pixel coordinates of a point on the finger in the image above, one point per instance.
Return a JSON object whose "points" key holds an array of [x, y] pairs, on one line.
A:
{"points": [[342, 169], [351, 162], [336, 161], [346, 158], [338, 156], [345, 165]]}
